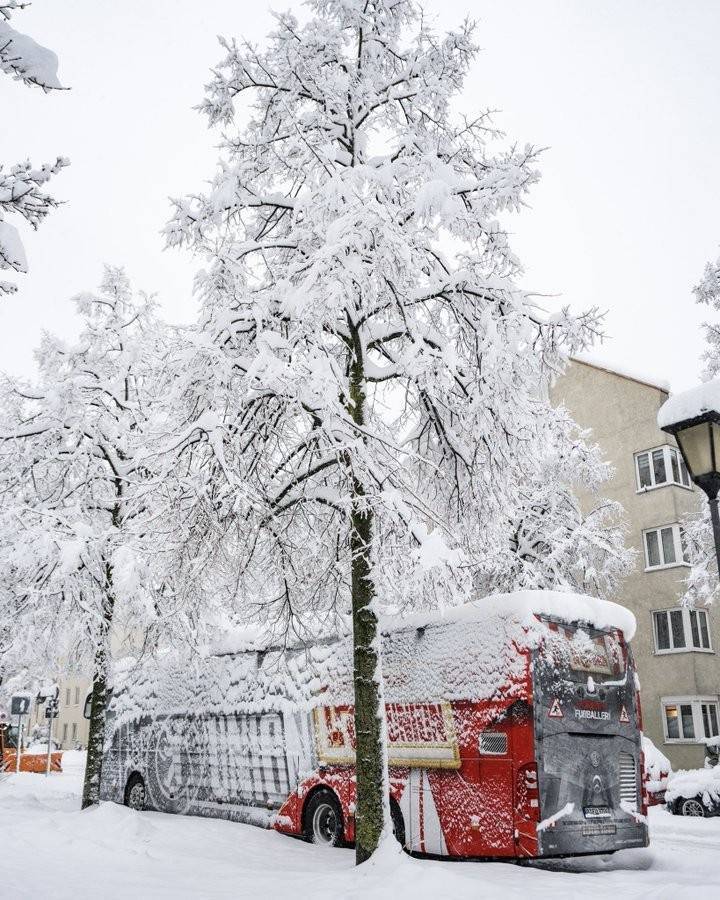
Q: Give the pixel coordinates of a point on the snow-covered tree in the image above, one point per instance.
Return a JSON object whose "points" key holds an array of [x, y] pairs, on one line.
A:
{"points": [[362, 405], [555, 541], [76, 551], [707, 292], [22, 185], [702, 585]]}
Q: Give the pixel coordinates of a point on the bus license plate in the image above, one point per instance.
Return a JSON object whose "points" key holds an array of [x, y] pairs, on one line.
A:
{"points": [[599, 828], [597, 812]]}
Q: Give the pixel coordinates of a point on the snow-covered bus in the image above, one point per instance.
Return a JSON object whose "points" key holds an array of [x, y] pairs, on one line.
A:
{"points": [[513, 731]]}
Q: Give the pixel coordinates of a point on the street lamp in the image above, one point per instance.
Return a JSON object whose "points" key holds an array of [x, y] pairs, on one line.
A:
{"points": [[693, 418]]}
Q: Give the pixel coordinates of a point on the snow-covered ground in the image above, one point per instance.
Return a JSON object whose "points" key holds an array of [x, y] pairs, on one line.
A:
{"points": [[48, 848]]}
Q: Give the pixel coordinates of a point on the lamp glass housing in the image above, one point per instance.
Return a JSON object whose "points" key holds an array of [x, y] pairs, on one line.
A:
{"points": [[697, 444]]}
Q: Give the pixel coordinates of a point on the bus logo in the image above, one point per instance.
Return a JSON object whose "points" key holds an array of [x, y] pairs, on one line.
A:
{"points": [[623, 715], [556, 710]]}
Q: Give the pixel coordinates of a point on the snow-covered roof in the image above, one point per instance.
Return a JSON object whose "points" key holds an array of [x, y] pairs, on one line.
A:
{"points": [[690, 404], [524, 606], [623, 371], [520, 606]]}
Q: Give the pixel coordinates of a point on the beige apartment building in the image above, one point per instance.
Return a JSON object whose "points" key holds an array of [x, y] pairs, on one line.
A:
{"points": [[70, 728], [676, 649]]}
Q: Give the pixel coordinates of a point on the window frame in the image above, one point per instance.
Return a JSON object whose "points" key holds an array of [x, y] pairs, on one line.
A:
{"points": [[696, 703], [680, 559], [687, 631], [668, 451]]}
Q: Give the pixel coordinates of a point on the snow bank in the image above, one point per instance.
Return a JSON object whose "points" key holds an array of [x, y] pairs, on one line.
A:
{"points": [[690, 404], [704, 783], [51, 848]]}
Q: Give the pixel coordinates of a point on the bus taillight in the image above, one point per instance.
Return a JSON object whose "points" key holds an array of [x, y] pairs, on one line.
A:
{"points": [[528, 797]]}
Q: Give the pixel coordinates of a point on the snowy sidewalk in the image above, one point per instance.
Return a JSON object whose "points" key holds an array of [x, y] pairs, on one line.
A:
{"points": [[49, 849]]}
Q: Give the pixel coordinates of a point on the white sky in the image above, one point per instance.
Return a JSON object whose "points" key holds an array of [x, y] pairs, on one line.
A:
{"points": [[624, 95]]}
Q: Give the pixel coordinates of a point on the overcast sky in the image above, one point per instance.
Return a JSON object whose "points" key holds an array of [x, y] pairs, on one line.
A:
{"points": [[623, 94]]}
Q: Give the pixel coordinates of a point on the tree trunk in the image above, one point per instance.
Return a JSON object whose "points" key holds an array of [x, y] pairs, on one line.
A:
{"points": [[370, 763], [98, 706], [96, 737]]}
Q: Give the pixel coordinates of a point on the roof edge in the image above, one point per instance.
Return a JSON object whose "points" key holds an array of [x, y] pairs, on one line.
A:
{"points": [[662, 386]]}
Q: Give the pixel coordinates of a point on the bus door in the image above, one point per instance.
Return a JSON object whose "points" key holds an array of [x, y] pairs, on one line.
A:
{"points": [[423, 832]]}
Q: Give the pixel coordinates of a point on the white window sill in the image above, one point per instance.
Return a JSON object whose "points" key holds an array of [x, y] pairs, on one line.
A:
{"points": [[693, 741], [675, 565], [657, 487], [683, 650]]}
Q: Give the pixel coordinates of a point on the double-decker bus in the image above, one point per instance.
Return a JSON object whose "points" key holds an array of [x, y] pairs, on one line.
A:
{"points": [[513, 728]]}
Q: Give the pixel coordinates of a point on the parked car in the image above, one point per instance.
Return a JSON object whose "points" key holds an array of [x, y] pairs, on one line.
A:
{"points": [[695, 792]]}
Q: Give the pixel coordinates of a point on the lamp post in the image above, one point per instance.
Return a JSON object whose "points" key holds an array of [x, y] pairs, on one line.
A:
{"points": [[693, 418]]}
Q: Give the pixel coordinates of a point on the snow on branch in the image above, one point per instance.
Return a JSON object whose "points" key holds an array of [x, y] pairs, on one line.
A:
{"points": [[21, 193], [20, 186], [23, 58]]}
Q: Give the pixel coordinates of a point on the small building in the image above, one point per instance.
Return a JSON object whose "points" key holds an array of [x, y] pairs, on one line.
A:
{"points": [[676, 648], [70, 728]]}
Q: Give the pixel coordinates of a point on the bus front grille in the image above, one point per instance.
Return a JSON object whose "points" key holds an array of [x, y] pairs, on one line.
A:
{"points": [[628, 779]]}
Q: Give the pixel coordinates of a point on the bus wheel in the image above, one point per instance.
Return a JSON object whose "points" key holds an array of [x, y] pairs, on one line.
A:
{"points": [[135, 792], [398, 823], [692, 807], [323, 819]]}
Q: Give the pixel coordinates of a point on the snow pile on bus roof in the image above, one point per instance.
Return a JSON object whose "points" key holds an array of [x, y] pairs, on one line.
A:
{"points": [[524, 606], [477, 652], [690, 404]]}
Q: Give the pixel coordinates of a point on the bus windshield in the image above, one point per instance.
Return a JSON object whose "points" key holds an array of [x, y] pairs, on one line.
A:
{"points": [[579, 652]]}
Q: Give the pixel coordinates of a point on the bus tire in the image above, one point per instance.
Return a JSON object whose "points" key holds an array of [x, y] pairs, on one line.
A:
{"points": [[398, 823], [135, 794], [323, 820]]}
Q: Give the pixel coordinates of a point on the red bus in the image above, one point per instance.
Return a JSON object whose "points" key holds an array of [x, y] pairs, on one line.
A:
{"points": [[513, 732]]}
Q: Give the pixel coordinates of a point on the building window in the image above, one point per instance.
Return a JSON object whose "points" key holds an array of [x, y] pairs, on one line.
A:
{"points": [[77, 696], [659, 467], [690, 719], [67, 696], [664, 547], [65, 727], [678, 630], [74, 731]]}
